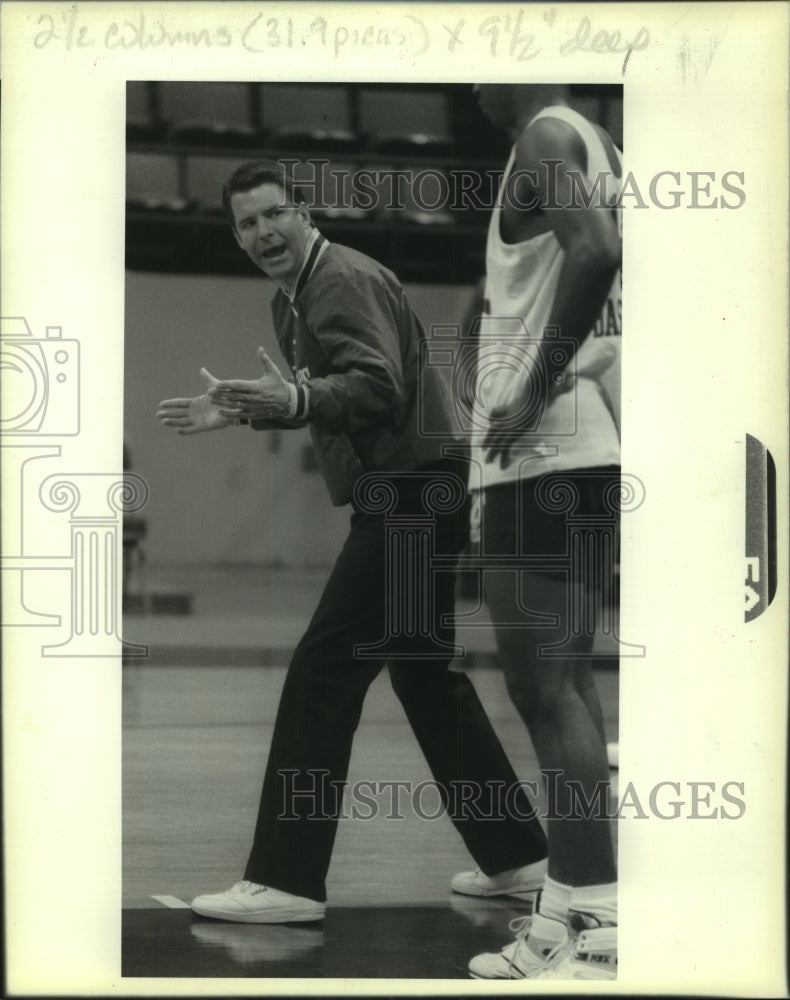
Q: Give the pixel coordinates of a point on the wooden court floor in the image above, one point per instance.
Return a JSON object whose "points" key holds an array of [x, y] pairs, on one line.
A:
{"points": [[194, 747]]}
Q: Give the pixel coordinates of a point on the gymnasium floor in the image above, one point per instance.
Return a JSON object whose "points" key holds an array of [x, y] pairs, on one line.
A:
{"points": [[198, 715]]}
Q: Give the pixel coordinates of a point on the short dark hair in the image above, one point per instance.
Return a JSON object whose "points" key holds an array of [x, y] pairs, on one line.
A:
{"points": [[254, 173]]}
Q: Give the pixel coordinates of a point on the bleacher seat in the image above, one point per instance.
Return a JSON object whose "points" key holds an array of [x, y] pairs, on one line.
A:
{"points": [[152, 183], [141, 125], [404, 121], [209, 114]]}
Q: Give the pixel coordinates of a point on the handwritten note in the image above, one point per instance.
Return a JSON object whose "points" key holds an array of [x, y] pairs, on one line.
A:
{"points": [[521, 36]]}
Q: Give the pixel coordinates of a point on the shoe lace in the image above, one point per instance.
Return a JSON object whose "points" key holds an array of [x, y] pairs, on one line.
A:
{"points": [[519, 927], [558, 959], [561, 951]]}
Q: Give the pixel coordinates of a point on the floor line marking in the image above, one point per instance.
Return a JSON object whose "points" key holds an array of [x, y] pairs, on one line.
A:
{"points": [[172, 901]]}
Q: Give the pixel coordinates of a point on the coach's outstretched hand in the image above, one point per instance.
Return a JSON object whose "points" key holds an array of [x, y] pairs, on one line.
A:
{"points": [[195, 415], [256, 399]]}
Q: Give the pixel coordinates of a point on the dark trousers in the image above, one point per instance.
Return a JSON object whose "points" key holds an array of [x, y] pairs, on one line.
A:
{"points": [[325, 688]]}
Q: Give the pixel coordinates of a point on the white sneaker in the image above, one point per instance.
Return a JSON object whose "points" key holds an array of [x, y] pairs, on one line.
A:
{"points": [[540, 941], [591, 955], [250, 903], [522, 882]]}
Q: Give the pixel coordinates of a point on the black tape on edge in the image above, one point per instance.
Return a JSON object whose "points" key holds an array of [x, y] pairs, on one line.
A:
{"points": [[760, 528]]}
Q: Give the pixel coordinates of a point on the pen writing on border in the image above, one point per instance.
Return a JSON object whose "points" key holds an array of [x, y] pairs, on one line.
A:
{"points": [[518, 36]]}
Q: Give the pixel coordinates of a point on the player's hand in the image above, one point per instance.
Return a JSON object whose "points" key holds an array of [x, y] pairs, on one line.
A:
{"points": [[195, 415], [509, 423], [254, 399], [502, 434]]}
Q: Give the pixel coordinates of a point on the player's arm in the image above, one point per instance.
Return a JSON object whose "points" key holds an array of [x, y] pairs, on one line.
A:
{"points": [[549, 151]]}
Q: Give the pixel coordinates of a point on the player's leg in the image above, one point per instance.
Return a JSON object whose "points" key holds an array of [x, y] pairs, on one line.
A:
{"points": [[556, 697], [588, 692], [572, 756], [565, 734]]}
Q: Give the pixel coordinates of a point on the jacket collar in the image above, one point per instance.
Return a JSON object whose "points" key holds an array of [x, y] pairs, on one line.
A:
{"points": [[315, 248]]}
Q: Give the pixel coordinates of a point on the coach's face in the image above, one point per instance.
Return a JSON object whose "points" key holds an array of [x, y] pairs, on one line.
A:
{"points": [[496, 102], [271, 230]]}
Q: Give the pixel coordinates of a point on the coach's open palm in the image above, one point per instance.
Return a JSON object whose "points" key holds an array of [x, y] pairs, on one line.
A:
{"points": [[255, 399], [195, 415]]}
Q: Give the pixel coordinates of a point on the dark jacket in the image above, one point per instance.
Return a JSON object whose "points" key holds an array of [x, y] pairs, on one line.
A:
{"points": [[353, 338]]}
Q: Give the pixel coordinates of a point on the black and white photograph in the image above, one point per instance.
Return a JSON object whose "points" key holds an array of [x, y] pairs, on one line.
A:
{"points": [[394, 422], [394, 414]]}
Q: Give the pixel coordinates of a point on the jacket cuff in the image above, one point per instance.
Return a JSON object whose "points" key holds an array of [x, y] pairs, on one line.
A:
{"points": [[300, 401]]}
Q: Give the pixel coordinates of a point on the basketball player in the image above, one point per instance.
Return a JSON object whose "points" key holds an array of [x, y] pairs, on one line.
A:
{"points": [[551, 411], [352, 342]]}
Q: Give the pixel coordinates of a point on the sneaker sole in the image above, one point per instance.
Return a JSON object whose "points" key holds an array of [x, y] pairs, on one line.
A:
{"points": [[579, 976], [523, 891], [501, 979], [278, 916]]}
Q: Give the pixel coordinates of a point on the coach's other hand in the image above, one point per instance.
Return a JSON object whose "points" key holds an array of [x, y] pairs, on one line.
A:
{"points": [[195, 415], [254, 399]]}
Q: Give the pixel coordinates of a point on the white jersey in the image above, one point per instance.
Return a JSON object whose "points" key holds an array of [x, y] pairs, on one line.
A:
{"points": [[581, 427]]}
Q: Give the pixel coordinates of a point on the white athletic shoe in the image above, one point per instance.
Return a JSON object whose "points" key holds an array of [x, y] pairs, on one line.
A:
{"points": [[522, 882], [250, 903], [591, 955], [548, 943]]}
